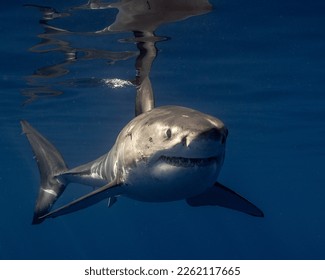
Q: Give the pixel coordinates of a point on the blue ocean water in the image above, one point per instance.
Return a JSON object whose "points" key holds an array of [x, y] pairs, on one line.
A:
{"points": [[257, 65]]}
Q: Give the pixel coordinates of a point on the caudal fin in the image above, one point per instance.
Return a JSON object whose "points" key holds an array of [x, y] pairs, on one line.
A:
{"points": [[51, 165]]}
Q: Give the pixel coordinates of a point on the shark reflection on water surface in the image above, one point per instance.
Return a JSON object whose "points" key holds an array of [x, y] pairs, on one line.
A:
{"points": [[163, 154]]}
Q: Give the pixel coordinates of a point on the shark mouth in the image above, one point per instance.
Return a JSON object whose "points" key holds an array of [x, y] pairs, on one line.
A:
{"points": [[189, 162]]}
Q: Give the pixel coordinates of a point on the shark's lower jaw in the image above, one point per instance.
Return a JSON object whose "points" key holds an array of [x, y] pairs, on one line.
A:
{"points": [[189, 162]]}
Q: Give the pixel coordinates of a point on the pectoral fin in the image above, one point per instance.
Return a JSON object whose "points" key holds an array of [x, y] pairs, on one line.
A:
{"points": [[109, 190], [224, 197]]}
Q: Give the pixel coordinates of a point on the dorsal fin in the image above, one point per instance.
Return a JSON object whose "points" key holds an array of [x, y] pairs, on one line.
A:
{"points": [[144, 100]]}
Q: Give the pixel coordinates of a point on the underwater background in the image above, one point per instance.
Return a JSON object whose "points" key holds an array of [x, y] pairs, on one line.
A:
{"points": [[257, 65]]}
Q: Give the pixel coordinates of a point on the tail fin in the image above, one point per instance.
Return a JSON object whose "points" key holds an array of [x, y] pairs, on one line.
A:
{"points": [[50, 164]]}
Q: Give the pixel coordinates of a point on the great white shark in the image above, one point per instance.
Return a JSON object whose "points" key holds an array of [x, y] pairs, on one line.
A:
{"points": [[166, 153]]}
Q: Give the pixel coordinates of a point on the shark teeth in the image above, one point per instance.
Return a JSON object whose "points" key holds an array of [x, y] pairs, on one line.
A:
{"points": [[189, 162]]}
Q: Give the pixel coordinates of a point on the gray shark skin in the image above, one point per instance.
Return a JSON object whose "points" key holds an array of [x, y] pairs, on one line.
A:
{"points": [[166, 154]]}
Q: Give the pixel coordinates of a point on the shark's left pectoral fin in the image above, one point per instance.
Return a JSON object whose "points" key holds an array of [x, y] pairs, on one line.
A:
{"points": [[109, 190], [225, 197]]}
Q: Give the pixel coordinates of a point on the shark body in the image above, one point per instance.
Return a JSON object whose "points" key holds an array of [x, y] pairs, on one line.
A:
{"points": [[165, 154]]}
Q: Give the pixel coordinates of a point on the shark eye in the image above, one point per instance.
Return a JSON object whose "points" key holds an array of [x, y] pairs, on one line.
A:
{"points": [[168, 133]]}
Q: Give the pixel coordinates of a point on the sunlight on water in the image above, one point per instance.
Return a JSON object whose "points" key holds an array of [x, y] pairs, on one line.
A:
{"points": [[117, 83]]}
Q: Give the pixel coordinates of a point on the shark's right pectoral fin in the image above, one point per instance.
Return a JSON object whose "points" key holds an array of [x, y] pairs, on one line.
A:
{"points": [[110, 190], [222, 196]]}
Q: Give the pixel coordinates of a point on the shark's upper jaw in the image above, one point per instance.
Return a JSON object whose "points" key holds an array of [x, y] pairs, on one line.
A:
{"points": [[189, 162], [199, 154], [204, 149]]}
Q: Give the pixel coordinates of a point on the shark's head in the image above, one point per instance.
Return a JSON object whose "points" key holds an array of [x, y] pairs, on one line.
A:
{"points": [[173, 142], [175, 135]]}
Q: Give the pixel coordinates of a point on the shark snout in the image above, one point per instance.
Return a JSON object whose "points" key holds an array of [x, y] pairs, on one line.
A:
{"points": [[213, 134], [210, 135]]}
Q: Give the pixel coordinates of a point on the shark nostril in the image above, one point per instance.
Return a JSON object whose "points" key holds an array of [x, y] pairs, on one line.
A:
{"points": [[226, 132], [224, 136], [184, 141]]}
